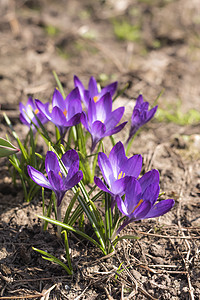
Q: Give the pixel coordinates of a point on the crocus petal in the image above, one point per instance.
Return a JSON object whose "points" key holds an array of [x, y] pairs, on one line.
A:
{"points": [[56, 181], [27, 110], [86, 98], [136, 118], [58, 117], [110, 88], [27, 114], [106, 168], [31, 103], [84, 121], [74, 94], [23, 115], [76, 119], [117, 158], [92, 115], [132, 166], [21, 107], [149, 178], [74, 107], [69, 159], [115, 130], [97, 131], [121, 205], [24, 120], [51, 162], [151, 193], [160, 208], [39, 178], [126, 207], [132, 195], [101, 185], [79, 85], [58, 100], [139, 101], [73, 169], [151, 113], [113, 118], [104, 107], [73, 180], [44, 108], [144, 107], [92, 86], [118, 187], [142, 210], [140, 116]]}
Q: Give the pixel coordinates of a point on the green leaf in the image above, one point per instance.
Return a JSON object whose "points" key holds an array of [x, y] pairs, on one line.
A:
{"points": [[84, 235], [64, 232], [53, 259], [70, 206], [60, 87], [6, 148], [125, 237], [32, 150]]}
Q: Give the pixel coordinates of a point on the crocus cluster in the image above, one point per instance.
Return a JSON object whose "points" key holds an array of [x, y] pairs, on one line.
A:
{"points": [[135, 198], [98, 118]]}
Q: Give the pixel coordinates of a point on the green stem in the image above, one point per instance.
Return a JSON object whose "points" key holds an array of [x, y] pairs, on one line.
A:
{"points": [[59, 219], [108, 220], [82, 149], [131, 141], [112, 140], [67, 249], [96, 158], [49, 209]]}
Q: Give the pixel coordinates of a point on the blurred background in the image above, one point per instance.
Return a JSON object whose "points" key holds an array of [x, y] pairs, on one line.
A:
{"points": [[153, 45]]}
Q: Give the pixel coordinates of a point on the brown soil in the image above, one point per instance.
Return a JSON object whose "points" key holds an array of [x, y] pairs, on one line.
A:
{"points": [[76, 37]]}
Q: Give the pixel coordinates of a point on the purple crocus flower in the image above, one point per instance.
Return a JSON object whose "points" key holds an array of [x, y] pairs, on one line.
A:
{"points": [[27, 114], [101, 121], [117, 169], [140, 199], [92, 92], [141, 115], [65, 112], [57, 180]]}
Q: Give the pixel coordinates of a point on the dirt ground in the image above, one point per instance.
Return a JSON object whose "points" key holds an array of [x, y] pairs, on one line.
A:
{"points": [[151, 45]]}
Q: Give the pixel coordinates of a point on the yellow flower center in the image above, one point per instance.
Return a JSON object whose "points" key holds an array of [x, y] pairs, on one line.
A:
{"points": [[65, 112], [95, 98], [121, 175], [139, 203], [36, 111], [60, 174]]}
